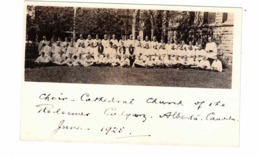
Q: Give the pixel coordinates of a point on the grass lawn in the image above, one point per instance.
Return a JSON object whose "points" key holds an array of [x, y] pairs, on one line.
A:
{"points": [[131, 76]]}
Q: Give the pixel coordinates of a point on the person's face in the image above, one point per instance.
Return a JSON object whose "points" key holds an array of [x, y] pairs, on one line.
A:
{"points": [[154, 38], [138, 38], [89, 37], [81, 36], [97, 37], [131, 37], [66, 39], [209, 39], [114, 37], [105, 37], [146, 38]]}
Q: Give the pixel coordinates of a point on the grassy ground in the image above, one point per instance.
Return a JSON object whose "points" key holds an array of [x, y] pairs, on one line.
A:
{"points": [[131, 76]]}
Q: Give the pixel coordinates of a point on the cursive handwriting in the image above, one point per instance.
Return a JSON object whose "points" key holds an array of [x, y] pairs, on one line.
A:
{"points": [[50, 97], [179, 115], [113, 111], [212, 117], [156, 101], [49, 108], [62, 126], [86, 98]]}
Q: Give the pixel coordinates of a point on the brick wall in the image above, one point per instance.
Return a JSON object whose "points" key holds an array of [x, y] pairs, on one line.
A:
{"points": [[224, 37]]}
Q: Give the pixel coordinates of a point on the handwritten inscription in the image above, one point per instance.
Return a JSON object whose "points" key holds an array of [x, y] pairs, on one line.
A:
{"points": [[63, 126], [198, 111], [48, 108], [87, 98], [113, 111]]}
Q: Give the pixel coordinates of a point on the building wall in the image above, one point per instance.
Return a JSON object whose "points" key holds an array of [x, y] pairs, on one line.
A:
{"points": [[225, 44]]}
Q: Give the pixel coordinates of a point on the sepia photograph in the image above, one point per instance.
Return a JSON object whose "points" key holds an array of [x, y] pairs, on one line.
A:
{"points": [[135, 46]]}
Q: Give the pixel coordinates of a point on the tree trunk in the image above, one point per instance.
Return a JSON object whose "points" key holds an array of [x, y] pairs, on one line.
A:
{"points": [[134, 23]]}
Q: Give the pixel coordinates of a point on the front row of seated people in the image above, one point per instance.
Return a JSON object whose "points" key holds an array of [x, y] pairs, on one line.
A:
{"points": [[142, 55]]}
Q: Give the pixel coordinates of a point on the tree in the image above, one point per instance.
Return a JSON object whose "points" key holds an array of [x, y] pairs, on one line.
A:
{"points": [[53, 21]]}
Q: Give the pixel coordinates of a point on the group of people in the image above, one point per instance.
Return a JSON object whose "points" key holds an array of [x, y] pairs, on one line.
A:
{"points": [[129, 53]]}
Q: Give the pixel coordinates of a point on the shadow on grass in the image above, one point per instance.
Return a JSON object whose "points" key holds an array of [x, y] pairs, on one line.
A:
{"points": [[131, 76]]}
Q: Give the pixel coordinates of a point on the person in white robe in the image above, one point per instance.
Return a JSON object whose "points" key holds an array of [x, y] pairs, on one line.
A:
{"points": [[217, 65], [138, 46], [80, 41], [42, 44], [211, 49], [204, 64]]}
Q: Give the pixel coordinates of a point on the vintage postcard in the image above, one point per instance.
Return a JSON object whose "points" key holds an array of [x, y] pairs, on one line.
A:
{"points": [[137, 74]]}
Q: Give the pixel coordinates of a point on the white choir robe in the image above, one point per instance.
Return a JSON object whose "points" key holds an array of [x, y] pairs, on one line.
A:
{"points": [[69, 61], [144, 43], [100, 59], [204, 64], [42, 59], [115, 42], [158, 61], [60, 59], [84, 52], [115, 61], [167, 60], [95, 42], [87, 42], [41, 45], [217, 65], [138, 51], [79, 41], [211, 49], [141, 61], [138, 43], [95, 53], [162, 52], [168, 48], [87, 61], [124, 62], [190, 53], [109, 52], [47, 50], [181, 53], [201, 54], [175, 60], [105, 43], [56, 51], [150, 62]]}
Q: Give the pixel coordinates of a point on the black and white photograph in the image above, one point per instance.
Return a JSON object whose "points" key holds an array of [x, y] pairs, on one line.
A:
{"points": [[118, 46]]}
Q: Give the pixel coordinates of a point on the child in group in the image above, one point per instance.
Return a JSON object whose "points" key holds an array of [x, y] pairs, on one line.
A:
{"points": [[167, 61], [140, 61], [125, 61], [115, 61], [204, 64], [60, 58], [69, 59], [42, 59], [217, 65], [131, 55], [87, 60]]}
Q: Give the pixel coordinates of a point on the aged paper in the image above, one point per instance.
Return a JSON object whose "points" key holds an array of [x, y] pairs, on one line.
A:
{"points": [[160, 102]]}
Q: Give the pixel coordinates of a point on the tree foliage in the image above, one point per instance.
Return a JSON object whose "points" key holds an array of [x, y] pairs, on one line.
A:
{"points": [[53, 20], [98, 21]]}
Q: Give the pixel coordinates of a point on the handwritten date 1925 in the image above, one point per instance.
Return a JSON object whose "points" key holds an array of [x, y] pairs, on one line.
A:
{"points": [[112, 130]]}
